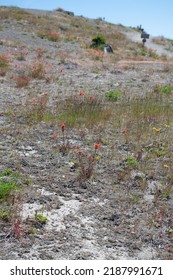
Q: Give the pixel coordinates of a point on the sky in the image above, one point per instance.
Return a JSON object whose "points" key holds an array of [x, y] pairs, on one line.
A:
{"points": [[155, 16]]}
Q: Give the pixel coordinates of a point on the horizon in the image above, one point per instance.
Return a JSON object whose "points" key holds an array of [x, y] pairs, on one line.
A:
{"points": [[154, 16]]}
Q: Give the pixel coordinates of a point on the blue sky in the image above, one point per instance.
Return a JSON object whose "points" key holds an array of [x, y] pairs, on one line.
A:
{"points": [[155, 16]]}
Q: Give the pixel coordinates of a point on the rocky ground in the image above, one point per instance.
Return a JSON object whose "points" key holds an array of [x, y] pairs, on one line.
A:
{"points": [[120, 212]]}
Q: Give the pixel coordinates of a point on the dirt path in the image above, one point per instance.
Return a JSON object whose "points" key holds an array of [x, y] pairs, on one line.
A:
{"points": [[160, 49], [124, 62]]}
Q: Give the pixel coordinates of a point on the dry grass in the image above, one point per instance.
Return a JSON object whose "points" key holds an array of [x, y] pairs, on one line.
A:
{"points": [[21, 80], [50, 35], [37, 70], [4, 64], [83, 111], [159, 40]]}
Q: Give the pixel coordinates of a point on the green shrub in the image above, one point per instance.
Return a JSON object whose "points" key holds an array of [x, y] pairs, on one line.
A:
{"points": [[143, 52], [136, 198], [166, 89], [113, 95], [40, 218], [147, 52], [7, 183], [131, 161], [21, 57], [6, 187], [152, 53], [98, 42], [5, 215]]}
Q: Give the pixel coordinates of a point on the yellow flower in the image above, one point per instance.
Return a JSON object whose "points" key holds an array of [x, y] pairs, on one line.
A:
{"points": [[156, 129], [97, 157], [166, 166]]}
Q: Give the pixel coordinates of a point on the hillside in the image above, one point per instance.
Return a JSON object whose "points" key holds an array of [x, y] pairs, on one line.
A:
{"points": [[86, 139]]}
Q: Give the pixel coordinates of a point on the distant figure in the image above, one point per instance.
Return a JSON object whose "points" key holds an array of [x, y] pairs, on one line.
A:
{"points": [[108, 49], [140, 28], [144, 37], [143, 42]]}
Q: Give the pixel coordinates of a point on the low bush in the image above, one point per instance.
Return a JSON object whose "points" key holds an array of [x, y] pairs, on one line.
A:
{"points": [[22, 81], [4, 64], [98, 42], [7, 183], [113, 95]]}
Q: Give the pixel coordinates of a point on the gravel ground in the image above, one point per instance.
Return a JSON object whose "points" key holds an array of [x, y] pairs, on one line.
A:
{"points": [[95, 220]]}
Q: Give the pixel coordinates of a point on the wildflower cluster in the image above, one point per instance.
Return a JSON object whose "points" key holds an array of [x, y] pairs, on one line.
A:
{"points": [[4, 64], [64, 144], [37, 71], [39, 53], [22, 80], [83, 95], [49, 35], [85, 162], [24, 72], [4, 60], [21, 56], [124, 132]]}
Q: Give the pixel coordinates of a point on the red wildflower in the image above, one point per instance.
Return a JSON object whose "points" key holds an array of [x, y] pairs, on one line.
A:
{"points": [[39, 51], [17, 229], [91, 98], [82, 152], [139, 155], [81, 93], [54, 136], [48, 64], [97, 146], [90, 157], [78, 147], [124, 131], [62, 127]]}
